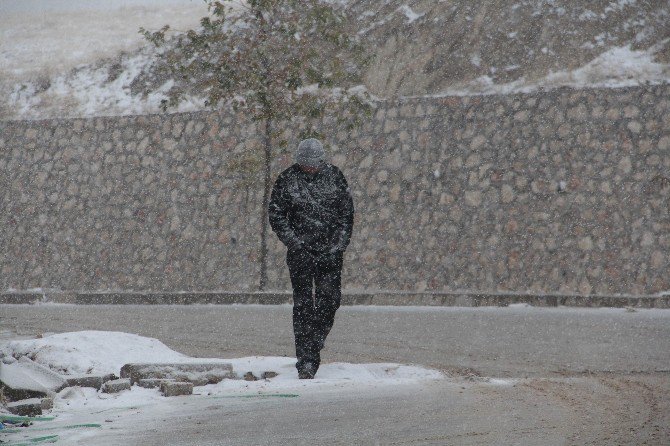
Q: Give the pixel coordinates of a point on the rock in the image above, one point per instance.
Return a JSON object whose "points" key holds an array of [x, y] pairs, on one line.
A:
{"points": [[31, 407], [249, 376], [521, 116], [657, 259], [647, 239], [94, 381], [47, 403], [152, 383], [269, 375], [394, 193], [173, 388], [585, 244], [578, 113], [625, 164], [116, 385], [477, 142], [631, 111], [507, 193], [366, 163], [664, 143], [410, 173], [197, 373], [473, 198]]}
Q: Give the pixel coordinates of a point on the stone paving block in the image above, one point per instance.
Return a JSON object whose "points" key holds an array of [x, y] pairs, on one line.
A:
{"points": [[26, 408], [152, 383], [47, 403], [116, 385], [94, 381], [174, 388], [249, 376], [199, 374]]}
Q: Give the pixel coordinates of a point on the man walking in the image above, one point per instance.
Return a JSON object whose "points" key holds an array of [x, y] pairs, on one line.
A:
{"points": [[312, 213]]}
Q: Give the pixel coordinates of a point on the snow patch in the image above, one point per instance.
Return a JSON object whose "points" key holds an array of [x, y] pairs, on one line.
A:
{"points": [[410, 14], [616, 68], [93, 90], [104, 352], [502, 382], [476, 60], [97, 352]]}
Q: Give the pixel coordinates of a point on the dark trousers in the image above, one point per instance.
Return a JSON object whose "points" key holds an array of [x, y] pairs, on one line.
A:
{"points": [[313, 315]]}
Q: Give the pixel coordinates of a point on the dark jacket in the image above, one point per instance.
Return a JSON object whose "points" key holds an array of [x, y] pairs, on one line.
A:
{"points": [[312, 211]]}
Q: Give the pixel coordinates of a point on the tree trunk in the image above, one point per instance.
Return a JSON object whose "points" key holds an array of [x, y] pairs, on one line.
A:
{"points": [[266, 203]]}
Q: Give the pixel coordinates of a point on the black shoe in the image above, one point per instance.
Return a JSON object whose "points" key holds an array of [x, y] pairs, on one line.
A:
{"points": [[307, 372], [303, 374]]}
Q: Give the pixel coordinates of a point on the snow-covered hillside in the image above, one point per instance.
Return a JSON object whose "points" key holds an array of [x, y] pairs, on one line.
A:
{"points": [[79, 57], [85, 57], [50, 37]]}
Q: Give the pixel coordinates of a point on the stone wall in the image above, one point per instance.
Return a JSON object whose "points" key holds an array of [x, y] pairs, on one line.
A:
{"points": [[563, 191]]}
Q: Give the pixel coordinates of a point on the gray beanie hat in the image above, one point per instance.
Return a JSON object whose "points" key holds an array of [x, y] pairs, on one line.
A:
{"points": [[310, 153]]}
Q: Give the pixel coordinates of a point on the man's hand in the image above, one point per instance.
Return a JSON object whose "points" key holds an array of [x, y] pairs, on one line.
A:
{"points": [[295, 244], [335, 249]]}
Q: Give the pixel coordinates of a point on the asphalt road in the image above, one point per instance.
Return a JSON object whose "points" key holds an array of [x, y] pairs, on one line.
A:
{"points": [[584, 376]]}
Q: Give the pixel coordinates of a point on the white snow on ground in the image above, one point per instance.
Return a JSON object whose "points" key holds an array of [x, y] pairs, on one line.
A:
{"points": [[103, 352], [88, 91], [615, 68], [106, 352], [410, 14], [96, 352]]}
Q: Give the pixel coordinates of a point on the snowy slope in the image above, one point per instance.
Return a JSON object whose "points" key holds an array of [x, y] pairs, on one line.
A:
{"points": [[448, 46], [50, 37], [79, 57], [85, 57]]}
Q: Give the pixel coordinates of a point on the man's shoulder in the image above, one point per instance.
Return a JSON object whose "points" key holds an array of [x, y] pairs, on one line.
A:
{"points": [[291, 170]]}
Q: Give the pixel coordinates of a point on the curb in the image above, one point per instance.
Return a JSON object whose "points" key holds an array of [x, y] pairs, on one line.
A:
{"points": [[382, 298]]}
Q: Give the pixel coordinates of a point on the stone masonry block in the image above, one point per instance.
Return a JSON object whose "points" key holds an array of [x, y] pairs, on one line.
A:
{"points": [[197, 373], [26, 408], [152, 383], [174, 388], [116, 386], [47, 403], [94, 381]]}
